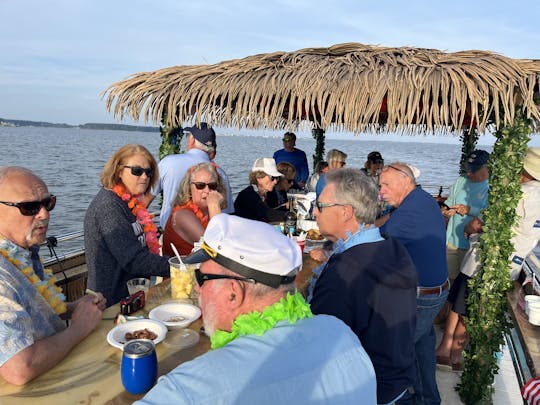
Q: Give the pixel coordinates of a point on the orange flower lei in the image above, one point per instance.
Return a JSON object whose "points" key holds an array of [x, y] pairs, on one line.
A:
{"points": [[46, 287], [190, 205], [143, 217]]}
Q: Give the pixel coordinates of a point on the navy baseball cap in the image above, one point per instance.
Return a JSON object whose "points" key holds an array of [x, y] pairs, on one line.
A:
{"points": [[375, 157], [204, 134], [476, 160]]}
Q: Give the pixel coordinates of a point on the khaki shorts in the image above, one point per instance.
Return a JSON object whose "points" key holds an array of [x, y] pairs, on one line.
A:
{"points": [[454, 257]]}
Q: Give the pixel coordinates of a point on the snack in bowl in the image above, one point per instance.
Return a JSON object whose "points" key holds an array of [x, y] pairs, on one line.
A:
{"points": [[119, 335], [314, 234], [141, 334]]}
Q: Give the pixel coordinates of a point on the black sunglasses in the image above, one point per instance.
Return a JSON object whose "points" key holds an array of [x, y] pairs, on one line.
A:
{"points": [[29, 208], [200, 185], [275, 178], [321, 205], [202, 277], [138, 171]]}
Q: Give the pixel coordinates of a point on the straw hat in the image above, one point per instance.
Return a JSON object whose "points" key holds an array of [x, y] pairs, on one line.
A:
{"points": [[531, 163]]}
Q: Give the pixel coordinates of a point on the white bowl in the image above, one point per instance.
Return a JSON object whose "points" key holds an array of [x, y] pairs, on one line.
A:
{"points": [[175, 315], [532, 301], [117, 335]]}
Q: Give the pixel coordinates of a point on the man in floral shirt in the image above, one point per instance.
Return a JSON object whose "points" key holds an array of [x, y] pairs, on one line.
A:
{"points": [[33, 335]]}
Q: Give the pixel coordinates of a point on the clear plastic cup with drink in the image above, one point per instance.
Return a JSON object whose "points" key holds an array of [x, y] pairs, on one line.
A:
{"points": [[181, 279]]}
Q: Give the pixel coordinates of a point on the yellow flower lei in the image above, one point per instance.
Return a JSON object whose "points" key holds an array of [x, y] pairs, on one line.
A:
{"points": [[46, 287]]}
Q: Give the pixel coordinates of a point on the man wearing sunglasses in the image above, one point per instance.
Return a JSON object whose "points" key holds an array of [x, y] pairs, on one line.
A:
{"points": [[268, 347], [33, 334], [369, 282], [201, 142], [294, 156]]}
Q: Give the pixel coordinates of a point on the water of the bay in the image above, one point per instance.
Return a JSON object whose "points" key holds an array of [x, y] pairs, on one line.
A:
{"points": [[70, 161]]}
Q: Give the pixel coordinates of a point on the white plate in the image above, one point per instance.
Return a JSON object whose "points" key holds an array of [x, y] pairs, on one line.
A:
{"points": [[182, 312], [117, 335]]}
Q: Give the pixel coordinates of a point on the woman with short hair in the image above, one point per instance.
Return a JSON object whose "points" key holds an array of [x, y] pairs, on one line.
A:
{"points": [[251, 201]]}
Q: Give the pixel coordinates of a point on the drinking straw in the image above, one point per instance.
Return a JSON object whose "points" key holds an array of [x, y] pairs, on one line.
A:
{"points": [[177, 254]]}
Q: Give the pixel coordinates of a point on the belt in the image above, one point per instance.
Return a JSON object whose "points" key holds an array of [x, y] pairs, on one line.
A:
{"points": [[433, 290]]}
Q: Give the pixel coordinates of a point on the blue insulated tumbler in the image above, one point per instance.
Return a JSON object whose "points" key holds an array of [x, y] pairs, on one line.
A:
{"points": [[139, 366]]}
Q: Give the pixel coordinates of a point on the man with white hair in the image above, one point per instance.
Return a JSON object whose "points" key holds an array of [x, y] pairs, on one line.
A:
{"points": [[201, 142], [33, 334], [268, 347], [418, 224]]}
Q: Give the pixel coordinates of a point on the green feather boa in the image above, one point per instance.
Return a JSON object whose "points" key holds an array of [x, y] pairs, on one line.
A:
{"points": [[292, 308]]}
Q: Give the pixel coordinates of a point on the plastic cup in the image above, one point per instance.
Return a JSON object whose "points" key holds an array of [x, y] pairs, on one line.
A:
{"points": [[181, 279], [138, 284], [301, 243]]}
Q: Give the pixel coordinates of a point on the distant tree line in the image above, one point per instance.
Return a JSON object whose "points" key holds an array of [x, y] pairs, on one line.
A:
{"points": [[94, 126]]}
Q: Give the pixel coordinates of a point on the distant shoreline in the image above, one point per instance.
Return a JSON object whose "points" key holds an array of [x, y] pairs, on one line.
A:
{"points": [[95, 126]]}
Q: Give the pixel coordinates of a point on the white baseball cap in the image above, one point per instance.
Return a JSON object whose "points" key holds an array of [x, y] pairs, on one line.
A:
{"points": [[267, 165], [252, 249]]}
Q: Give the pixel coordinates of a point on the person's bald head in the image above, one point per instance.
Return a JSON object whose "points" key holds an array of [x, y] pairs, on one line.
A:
{"points": [[18, 185]]}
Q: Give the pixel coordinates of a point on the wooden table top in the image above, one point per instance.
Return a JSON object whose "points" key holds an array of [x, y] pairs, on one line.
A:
{"points": [[90, 374], [529, 334]]}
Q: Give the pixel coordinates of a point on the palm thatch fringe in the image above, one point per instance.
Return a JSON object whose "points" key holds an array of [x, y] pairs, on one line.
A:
{"points": [[346, 87]]}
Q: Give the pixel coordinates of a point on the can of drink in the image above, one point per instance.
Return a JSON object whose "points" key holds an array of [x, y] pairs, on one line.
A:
{"points": [[139, 366]]}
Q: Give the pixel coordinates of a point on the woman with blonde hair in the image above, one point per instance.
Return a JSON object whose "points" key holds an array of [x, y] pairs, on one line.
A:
{"points": [[336, 160], [201, 195], [119, 236]]}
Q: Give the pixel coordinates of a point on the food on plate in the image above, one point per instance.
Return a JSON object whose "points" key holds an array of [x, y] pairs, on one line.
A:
{"points": [[141, 334], [314, 234]]}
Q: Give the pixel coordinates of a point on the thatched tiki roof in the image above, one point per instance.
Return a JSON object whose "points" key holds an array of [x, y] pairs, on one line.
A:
{"points": [[351, 87]]}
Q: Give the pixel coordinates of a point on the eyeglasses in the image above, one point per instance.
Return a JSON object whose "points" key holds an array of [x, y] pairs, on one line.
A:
{"points": [[200, 185], [290, 181], [29, 208], [203, 277], [138, 171], [321, 205]]}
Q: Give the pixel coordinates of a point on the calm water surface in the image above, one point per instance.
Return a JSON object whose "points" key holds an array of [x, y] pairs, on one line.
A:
{"points": [[70, 160]]}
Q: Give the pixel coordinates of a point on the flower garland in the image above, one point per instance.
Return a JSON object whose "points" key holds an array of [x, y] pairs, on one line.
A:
{"points": [[190, 205], [292, 308], [143, 217], [46, 287]]}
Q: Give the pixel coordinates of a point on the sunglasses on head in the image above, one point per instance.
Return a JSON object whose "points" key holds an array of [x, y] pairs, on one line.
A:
{"points": [[138, 171], [29, 208], [201, 277], [200, 185]]}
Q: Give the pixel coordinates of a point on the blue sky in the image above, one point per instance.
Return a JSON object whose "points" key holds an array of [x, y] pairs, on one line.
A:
{"points": [[57, 56]]}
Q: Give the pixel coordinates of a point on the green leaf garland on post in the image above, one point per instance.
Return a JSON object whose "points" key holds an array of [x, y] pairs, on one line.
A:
{"points": [[487, 301], [318, 135]]}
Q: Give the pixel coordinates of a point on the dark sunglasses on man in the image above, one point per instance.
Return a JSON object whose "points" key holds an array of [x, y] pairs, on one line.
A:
{"points": [[138, 171], [29, 208], [201, 277]]}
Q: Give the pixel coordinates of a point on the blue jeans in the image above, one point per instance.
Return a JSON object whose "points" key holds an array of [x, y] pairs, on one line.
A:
{"points": [[425, 386]]}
